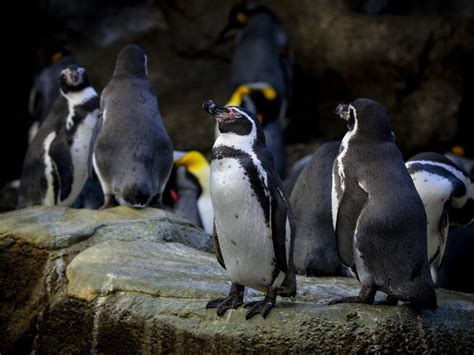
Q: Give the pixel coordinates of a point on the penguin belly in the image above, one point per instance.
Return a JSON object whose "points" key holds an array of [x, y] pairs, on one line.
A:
{"points": [[80, 154], [206, 213], [434, 191], [245, 240]]}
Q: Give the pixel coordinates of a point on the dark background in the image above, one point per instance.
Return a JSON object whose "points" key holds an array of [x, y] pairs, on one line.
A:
{"points": [[415, 57]]}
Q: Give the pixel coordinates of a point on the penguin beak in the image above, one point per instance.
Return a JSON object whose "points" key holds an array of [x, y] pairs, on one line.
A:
{"points": [[343, 111], [220, 113]]}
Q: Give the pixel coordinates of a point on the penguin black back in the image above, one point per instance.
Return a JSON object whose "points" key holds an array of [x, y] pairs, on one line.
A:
{"points": [[133, 155], [132, 60], [379, 218]]}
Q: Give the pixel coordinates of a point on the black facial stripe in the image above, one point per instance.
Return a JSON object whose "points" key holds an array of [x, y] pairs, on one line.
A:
{"points": [[71, 88], [251, 172], [240, 126], [459, 189], [80, 113]]}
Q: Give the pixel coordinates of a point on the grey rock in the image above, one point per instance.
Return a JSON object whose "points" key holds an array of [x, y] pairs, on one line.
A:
{"points": [[117, 286]]}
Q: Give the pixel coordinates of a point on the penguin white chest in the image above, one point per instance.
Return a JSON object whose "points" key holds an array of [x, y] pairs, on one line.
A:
{"points": [[245, 238], [80, 155], [434, 191], [338, 183]]}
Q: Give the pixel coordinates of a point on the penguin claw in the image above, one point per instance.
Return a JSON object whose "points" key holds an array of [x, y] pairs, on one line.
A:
{"points": [[223, 304], [251, 304], [262, 307]]}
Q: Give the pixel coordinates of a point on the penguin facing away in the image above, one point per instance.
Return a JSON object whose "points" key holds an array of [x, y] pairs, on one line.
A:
{"points": [[378, 216], [58, 159], [448, 197], [315, 241], [253, 222], [133, 154]]}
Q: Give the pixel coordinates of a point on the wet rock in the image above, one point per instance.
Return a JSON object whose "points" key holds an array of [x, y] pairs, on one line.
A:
{"points": [[60, 227], [36, 245], [117, 286]]}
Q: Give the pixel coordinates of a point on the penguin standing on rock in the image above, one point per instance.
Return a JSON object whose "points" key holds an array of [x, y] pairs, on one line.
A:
{"points": [[448, 196], [58, 159], [133, 154], [253, 222], [378, 216]]}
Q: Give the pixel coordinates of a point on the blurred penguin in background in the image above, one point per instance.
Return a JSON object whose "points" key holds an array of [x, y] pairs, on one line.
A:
{"points": [[187, 192], [457, 156], [45, 89], [262, 71]]}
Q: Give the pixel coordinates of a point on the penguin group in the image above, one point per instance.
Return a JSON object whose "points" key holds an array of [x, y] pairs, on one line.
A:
{"points": [[354, 208]]}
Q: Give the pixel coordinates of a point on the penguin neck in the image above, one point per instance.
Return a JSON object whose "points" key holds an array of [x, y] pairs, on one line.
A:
{"points": [[244, 143], [79, 97], [138, 72]]}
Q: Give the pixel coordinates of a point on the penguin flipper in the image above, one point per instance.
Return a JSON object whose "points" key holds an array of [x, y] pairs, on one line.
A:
{"points": [[95, 134], [61, 156], [347, 215], [444, 230], [279, 216], [217, 248]]}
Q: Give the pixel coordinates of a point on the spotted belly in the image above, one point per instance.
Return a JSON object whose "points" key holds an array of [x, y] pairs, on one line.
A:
{"points": [[245, 238]]}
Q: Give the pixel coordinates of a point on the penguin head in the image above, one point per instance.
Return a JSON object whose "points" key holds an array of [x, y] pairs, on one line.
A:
{"points": [[241, 12], [197, 165], [366, 118], [233, 119], [132, 60], [73, 79]]}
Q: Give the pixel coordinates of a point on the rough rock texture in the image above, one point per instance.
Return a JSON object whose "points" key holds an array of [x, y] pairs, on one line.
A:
{"points": [[414, 65], [78, 281], [417, 66], [36, 244]]}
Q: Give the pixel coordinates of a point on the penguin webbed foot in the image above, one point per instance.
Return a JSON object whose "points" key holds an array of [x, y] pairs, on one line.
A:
{"points": [[109, 201], [388, 301], [233, 301], [366, 295], [262, 307]]}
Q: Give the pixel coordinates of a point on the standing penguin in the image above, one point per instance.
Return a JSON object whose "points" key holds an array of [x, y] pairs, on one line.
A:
{"points": [[133, 154], [448, 196], [378, 216], [315, 241], [253, 224], [262, 73], [57, 162]]}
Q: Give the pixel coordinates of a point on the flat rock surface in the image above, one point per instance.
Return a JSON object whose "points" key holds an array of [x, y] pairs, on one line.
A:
{"points": [[60, 227], [118, 281]]}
